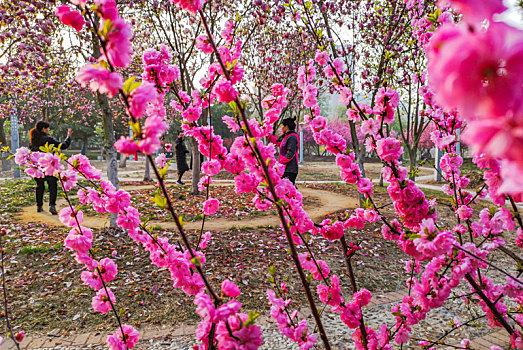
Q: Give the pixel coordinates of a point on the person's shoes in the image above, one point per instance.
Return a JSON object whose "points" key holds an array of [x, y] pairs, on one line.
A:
{"points": [[39, 209], [52, 210], [180, 183]]}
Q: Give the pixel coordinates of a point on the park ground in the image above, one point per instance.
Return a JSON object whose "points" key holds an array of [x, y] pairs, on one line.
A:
{"points": [[47, 297]]}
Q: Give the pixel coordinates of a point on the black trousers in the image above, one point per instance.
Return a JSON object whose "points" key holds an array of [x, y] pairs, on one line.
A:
{"points": [[52, 183], [290, 176]]}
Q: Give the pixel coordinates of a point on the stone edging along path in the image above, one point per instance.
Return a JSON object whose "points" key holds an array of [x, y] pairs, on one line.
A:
{"points": [[330, 202]]}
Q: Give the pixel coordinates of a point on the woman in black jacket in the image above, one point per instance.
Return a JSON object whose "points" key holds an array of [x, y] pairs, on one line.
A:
{"points": [[181, 159], [288, 143], [38, 137]]}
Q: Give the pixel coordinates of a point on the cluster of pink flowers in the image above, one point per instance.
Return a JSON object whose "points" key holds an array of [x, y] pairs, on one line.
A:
{"points": [[274, 104], [178, 261], [490, 61], [475, 68], [38, 164], [297, 332], [148, 99], [70, 17], [80, 238], [416, 234], [234, 330], [193, 6], [116, 49]]}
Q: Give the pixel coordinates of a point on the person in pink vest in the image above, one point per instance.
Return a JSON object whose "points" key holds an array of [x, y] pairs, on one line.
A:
{"points": [[288, 143]]}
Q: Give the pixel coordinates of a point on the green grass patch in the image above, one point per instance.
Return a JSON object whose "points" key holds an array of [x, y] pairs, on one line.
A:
{"points": [[16, 194], [40, 249]]}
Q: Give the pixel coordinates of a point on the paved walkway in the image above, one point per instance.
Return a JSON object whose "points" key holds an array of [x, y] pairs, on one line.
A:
{"points": [[182, 336]]}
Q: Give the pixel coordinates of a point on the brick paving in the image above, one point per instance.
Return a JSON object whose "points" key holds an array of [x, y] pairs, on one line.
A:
{"points": [[152, 334]]}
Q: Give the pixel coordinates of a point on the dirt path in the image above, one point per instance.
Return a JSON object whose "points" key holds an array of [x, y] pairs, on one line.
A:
{"points": [[330, 202]]}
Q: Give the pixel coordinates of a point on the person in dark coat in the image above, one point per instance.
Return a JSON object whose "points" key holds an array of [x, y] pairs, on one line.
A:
{"points": [[181, 159], [288, 144], [38, 137]]}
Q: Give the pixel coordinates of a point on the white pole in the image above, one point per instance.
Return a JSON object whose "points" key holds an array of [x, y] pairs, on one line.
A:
{"points": [[437, 158], [301, 145], [15, 141]]}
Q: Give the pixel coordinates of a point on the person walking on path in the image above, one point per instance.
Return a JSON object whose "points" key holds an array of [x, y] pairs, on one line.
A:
{"points": [[288, 143], [181, 159], [38, 137]]}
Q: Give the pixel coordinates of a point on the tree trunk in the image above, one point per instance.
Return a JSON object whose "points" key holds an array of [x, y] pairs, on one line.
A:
{"points": [[412, 158], [109, 140], [147, 175], [123, 161], [6, 164], [195, 166], [107, 119]]}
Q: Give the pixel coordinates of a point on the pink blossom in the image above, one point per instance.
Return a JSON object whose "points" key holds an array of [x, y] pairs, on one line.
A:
{"points": [[211, 167], [118, 46], [68, 179], [210, 206], [192, 114], [389, 149], [362, 297], [473, 10], [206, 237], [464, 212], [246, 337], [322, 57], [339, 68], [91, 279], [203, 43], [22, 155], [102, 301], [192, 6], [227, 31], [116, 341], [79, 239], [117, 201], [100, 79], [470, 65], [344, 161], [231, 123], [451, 163], [70, 17], [345, 95], [108, 269], [130, 220], [161, 160], [140, 98], [230, 289], [224, 91], [107, 9], [351, 315], [49, 163], [245, 183], [331, 295], [364, 185], [318, 123], [332, 232], [69, 217], [81, 163], [126, 145]]}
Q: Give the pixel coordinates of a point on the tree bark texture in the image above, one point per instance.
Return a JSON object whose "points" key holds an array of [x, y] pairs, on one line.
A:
{"points": [[109, 140]]}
